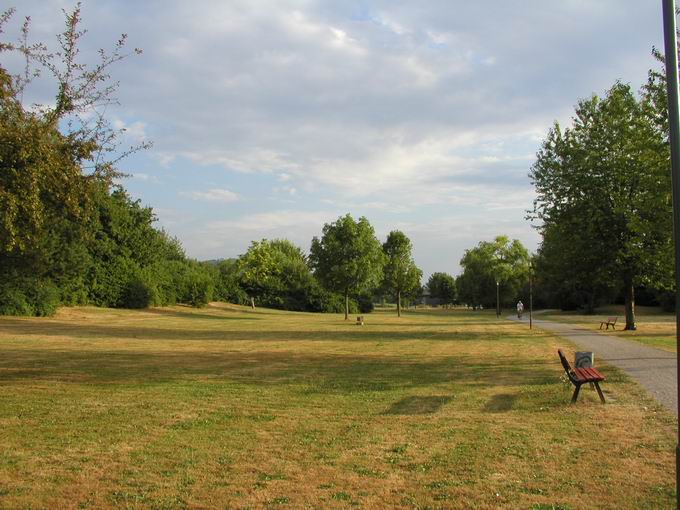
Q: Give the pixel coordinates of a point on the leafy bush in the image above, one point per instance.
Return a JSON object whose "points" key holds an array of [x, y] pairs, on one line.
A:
{"points": [[44, 298], [13, 302], [138, 294], [198, 286]]}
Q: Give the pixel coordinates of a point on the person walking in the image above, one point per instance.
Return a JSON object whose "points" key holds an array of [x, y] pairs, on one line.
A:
{"points": [[520, 309]]}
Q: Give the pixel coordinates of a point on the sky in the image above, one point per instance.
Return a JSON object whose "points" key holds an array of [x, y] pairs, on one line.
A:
{"points": [[270, 118]]}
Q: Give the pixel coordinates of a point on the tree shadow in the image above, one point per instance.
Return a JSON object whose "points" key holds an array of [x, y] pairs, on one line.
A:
{"points": [[311, 373], [191, 314], [500, 403], [418, 405]]}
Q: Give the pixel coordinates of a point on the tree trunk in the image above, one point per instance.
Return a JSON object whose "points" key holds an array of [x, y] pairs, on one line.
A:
{"points": [[590, 307], [398, 303], [346, 304], [252, 303], [630, 306]]}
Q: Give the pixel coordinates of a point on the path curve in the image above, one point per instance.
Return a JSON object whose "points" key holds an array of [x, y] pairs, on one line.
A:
{"points": [[655, 369]]}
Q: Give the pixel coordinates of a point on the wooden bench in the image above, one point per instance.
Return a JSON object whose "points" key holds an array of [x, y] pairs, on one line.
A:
{"points": [[581, 376], [611, 321], [360, 320]]}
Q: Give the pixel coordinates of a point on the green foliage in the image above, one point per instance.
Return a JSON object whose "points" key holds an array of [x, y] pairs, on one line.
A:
{"points": [[44, 297], [138, 293], [500, 260], [603, 198], [13, 301], [401, 275], [348, 258], [276, 274], [442, 286], [227, 288], [29, 296], [197, 286]]}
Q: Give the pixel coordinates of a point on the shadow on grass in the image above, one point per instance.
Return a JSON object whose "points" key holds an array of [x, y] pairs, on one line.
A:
{"points": [[190, 314], [311, 373], [19, 328], [500, 403], [418, 405]]}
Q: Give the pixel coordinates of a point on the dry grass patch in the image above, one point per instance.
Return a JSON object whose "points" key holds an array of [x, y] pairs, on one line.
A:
{"points": [[228, 407]]}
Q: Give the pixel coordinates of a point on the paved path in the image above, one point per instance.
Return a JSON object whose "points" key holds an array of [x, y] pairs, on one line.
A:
{"points": [[654, 369]]}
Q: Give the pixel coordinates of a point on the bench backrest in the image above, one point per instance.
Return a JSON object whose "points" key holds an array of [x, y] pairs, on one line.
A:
{"points": [[567, 366]]}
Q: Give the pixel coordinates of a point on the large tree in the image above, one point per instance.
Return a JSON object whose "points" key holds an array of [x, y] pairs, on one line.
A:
{"points": [[603, 194], [348, 258], [442, 286], [402, 276], [500, 261]]}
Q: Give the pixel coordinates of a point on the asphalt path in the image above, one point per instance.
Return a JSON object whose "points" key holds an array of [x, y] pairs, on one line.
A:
{"points": [[654, 369]]}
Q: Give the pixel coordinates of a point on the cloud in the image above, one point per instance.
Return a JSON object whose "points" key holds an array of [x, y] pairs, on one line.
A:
{"points": [[398, 110], [212, 195]]}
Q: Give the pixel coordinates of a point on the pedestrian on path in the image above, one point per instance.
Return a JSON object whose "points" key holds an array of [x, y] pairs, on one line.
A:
{"points": [[520, 309]]}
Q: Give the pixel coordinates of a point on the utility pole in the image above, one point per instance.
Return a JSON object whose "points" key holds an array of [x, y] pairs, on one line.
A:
{"points": [[498, 301], [531, 295], [671, 47]]}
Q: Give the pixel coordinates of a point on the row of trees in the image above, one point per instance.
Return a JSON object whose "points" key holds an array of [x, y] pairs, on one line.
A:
{"points": [[604, 200], [68, 234]]}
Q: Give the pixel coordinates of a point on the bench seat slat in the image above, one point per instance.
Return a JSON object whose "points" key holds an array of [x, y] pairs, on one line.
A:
{"points": [[588, 374]]}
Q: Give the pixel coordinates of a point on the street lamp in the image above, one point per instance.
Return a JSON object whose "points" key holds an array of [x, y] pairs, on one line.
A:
{"points": [[671, 47], [531, 295], [498, 301]]}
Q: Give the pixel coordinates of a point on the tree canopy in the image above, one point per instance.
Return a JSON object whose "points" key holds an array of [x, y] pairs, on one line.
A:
{"points": [[442, 286], [347, 258], [501, 260], [603, 197], [401, 275]]}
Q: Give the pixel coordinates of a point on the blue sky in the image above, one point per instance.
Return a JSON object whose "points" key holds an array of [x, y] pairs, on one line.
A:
{"points": [[269, 118]]}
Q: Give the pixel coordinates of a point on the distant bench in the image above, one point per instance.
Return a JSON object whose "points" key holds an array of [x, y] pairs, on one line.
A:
{"points": [[611, 321], [360, 320], [580, 376]]}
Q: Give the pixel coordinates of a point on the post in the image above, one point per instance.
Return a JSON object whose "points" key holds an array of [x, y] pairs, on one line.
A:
{"points": [[531, 295], [671, 47], [498, 301]]}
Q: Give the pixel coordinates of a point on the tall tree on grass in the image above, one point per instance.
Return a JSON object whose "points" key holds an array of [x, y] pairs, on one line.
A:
{"points": [[603, 185], [402, 276], [501, 260], [442, 286], [348, 258]]}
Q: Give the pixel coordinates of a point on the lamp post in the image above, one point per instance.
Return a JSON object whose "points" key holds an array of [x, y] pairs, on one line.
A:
{"points": [[671, 50], [498, 301], [531, 295]]}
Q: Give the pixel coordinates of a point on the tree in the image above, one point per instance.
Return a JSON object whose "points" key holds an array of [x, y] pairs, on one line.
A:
{"points": [[401, 275], [54, 159], [348, 258], [442, 286], [258, 270], [603, 193], [501, 260]]}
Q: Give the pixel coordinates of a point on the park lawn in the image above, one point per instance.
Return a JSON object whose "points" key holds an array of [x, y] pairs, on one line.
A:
{"points": [[225, 407], [654, 327]]}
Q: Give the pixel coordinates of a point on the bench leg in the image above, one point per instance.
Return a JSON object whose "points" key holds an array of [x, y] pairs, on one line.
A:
{"points": [[575, 396], [599, 391]]}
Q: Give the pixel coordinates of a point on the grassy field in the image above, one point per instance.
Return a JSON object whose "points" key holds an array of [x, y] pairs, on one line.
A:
{"points": [[655, 328], [226, 407]]}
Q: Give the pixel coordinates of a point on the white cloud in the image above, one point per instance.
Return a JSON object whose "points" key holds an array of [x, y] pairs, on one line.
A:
{"points": [[212, 195]]}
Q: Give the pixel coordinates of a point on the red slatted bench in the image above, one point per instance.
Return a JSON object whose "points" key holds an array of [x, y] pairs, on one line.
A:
{"points": [[581, 376]]}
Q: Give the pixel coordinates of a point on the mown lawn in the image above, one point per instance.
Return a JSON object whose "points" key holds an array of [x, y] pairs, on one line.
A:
{"points": [[654, 328], [231, 408]]}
